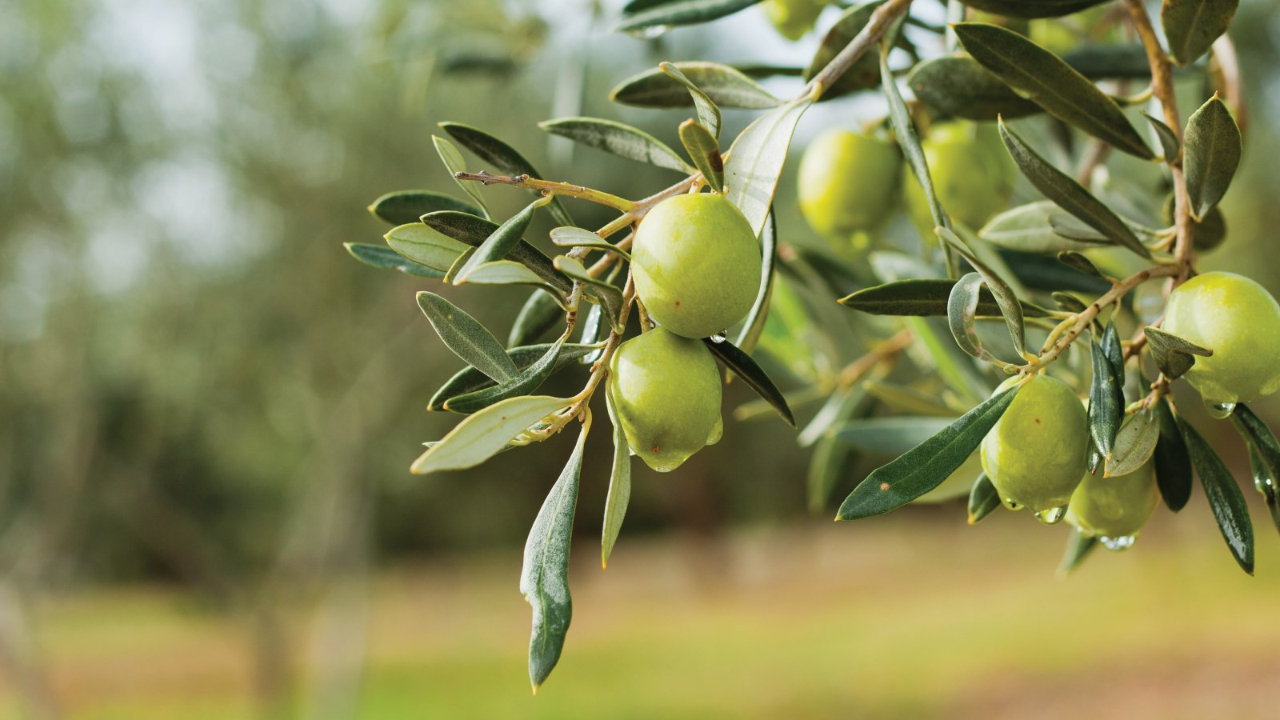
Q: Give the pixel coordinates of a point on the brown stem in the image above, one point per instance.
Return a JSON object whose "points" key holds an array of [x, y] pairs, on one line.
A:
{"points": [[548, 187]]}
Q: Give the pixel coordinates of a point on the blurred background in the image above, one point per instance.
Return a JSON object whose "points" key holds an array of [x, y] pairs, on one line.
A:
{"points": [[208, 410]]}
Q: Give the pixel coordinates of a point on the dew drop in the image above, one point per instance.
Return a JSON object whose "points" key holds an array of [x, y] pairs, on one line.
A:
{"points": [[1118, 544], [720, 337], [1052, 516], [1219, 411]]}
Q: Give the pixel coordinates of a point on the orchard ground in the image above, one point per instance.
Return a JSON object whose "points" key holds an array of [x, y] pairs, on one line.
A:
{"points": [[912, 616]]}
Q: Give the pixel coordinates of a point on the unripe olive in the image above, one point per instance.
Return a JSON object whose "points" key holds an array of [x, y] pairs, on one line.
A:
{"points": [[666, 392], [1037, 452], [1239, 321], [793, 18], [848, 183], [696, 264], [972, 175], [1114, 507]]}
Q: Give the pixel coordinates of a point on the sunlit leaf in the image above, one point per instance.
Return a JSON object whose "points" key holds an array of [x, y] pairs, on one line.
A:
{"points": [[615, 504], [708, 112], [865, 73], [1173, 355], [469, 379], [579, 237], [1010, 306], [501, 241], [473, 231], [618, 139], [466, 337], [425, 246], [755, 161], [705, 152], [454, 163], [1135, 443], [523, 383], [962, 315], [482, 435], [725, 86], [753, 326], [384, 257], [502, 157], [1027, 228]]}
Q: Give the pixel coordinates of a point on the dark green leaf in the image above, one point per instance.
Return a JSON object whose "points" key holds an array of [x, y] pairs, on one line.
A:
{"points": [[983, 499], [501, 241], [1169, 141], [1106, 403], [1079, 262], [924, 467], [1112, 348], [708, 112], [1173, 463], [923, 298], [1032, 8], [384, 257], [957, 86], [865, 73], [524, 383], [503, 157], [705, 151], [1069, 303], [406, 206], [725, 86], [544, 579], [755, 161], [538, 314], [1038, 272], [1173, 355], [1211, 156], [1110, 61], [482, 435], [1265, 480], [1078, 548], [473, 231], [469, 379], [1069, 194], [1192, 26], [909, 141], [1048, 81], [466, 337], [1225, 498], [753, 326], [619, 139], [642, 15], [1264, 456], [744, 367]]}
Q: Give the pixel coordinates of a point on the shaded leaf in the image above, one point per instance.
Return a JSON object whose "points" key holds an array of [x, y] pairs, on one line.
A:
{"points": [[962, 315], [908, 399], [607, 294], [1225, 498], [753, 325], [1010, 306], [578, 237], [1173, 355], [1169, 141], [909, 141], [501, 241], [1079, 262], [482, 435], [1191, 26], [466, 337], [865, 73], [726, 86], [384, 257], [958, 86], [756, 158], [983, 499], [618, 139], [1172, 461], [1078, 548], [1027, 228], [469, 379], [1032, 8], [891, 435], [523, 383], [503, 157], [1264, 456], [756, 378], [1211, 156], [406, 206], [473, 231], [922, 298], [705, 151], [539, 314], [639, 15]]}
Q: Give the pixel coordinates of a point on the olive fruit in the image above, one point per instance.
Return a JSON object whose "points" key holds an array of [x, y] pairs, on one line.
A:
{"points": [[793, 18], [1115, 507], [1037, 452], [1239, 321], [696, 264], [848, 183], [666, 393], [971, 172]]}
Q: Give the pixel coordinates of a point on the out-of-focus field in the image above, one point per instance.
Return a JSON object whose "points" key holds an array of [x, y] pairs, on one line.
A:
{"points": [[900, 617]]}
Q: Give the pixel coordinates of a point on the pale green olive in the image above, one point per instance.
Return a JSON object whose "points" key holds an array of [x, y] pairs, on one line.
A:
{"points": [[793, 18], [1037, 452], [1239, 321], [848, 183], [971, 172], [1114, 507], [666, 392], [696, 264]]}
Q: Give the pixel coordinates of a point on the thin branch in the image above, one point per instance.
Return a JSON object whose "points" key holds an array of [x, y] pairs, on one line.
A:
{"points": [[549, 187], [881, 20]]}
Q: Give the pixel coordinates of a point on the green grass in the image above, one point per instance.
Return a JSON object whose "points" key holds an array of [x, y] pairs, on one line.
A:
{"points": [[913, 616]]}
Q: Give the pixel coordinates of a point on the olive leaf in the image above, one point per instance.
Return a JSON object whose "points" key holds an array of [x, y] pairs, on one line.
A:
{"points": [[578, 237], [425, 246], [1169, 141], [1264, 479], [756, 378], [1135, 443], [1264, 456], [1032, 8], [384, 257], [865, 73], [1225, 498], [705, 151], [890, 435], [615, 504], [1010, 306], [707, 110], [454, 163], [469, 379], [473, 231], [753, 325], [619, 139], [523, 383], [1048, 81], [826, 465], [482, 435], [1211, 156], [645, 15], [925, 466], [958, 86], [1113, 349], [1079, 262], [544, 578], [921, 298], [1172, 460], [908, 399], [1116, 61], [539, 314], [1069, 194], [1106, 400], [501, 241], [983, 499], [1173, 355], [836, 408], [755, 161], [506, 272], [406, 206], [466, 337], [606, 293], [1078, 548], [940, 354], [1028, 228], [503, 157], [962, 316], [1191, 26], [1069, 303], [726, 86], [1038, 272]]}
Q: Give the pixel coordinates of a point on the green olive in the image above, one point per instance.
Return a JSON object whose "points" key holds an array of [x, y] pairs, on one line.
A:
{"points": [[793, 18], [971, 172], [1114, 507], [696, 264], [666, 391], [1037, 452], [847, 184], [1239, 321]]}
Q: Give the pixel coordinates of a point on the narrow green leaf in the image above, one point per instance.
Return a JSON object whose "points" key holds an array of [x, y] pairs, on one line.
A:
{"points": [[951, 364], [1169, 141], [1264, 456], [615, 505], [539, 314], [1225, 498], [1110, 61], [826, 464], [1114, 351], [1191, 26], [1211, 156], [1069, 194], [501, 241], [523, 383], [837, 407], [1106, 401], [1027, 228], [482, 435], [890, 435], [503, 157], [425, 246], [466, 337], [1264, 479], [865, 73], [924, 467], [1135, 443], [384, 257], [908, 399], [705, 151], [1032, 8], [455, 164], [469, 379], [618, 139], [506, 272], [1076, 261], [962, 316], [958, 86], [923, 298], [755, 161], [726, 86], [579, 237], [753, 326], [605, 293], [1069, 303], [1173, 462], [909, 141], [473, 231], [708, 112], [1078, 548], [1048, 81], [983, 499], [1173, 355], [1010, 306], [756, 378], [406, 206], [544, 579], [646, 15]]}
